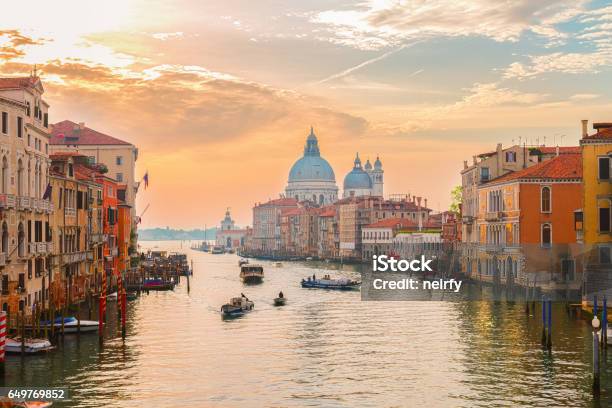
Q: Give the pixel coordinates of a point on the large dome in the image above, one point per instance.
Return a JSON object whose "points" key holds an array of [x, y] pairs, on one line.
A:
{"points": [[311, 167]]}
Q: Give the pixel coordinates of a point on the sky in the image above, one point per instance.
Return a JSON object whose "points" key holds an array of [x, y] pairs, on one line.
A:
{"points": [[219, 96]]}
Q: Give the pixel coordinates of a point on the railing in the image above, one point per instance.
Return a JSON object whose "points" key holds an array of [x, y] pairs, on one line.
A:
{"points": [[493, 215], [7, 201], [73, 257], [70, 212], [96, 238], [49, 247], [23, 203], [32, 247], [41, 247]]}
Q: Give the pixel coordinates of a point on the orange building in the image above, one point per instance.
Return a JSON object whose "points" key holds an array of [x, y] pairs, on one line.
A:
{"points": [[110, 224], [526, 220], [123, 237]]}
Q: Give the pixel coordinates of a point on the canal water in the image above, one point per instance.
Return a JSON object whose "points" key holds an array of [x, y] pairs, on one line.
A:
{"points": [[323, 349]]}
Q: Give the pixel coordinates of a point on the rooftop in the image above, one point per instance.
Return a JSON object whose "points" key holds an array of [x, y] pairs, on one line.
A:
{"points": [[18, 82], [566, 166], [70, 133], [562, 149], [603, 133]]}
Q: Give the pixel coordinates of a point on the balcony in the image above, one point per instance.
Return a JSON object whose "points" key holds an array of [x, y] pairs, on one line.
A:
{"points": [[41, 247], [24, 203], [467, 219], [96, 238], [70, 212], [49, 249], [73, 257], [90, 256], [114, 251], [7, 201], [493, 216]]}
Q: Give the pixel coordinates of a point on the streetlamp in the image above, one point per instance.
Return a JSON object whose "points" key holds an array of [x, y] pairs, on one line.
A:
{"points": [[596, 383]]}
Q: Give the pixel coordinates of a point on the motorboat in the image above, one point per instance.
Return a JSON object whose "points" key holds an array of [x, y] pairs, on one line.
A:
{"points": [[112, 296], [131, 296], [251, 273], [309, 258], [328, 283], [157, 284], [72, 325], [278, 264], [218, 249], [243, 261], [280, 301], [30, 346], [237, 307]]}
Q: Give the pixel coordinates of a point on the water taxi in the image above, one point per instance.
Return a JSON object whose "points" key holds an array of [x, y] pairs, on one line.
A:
{"points": [[30, 346], [280, 301], [251, 273], [328, 283], [237, 307], [243, 261], [158, 284]]}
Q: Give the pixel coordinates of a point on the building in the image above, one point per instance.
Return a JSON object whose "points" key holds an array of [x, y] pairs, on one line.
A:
{"points": [[377, 238], [597, 195], [110, 227], [24, 207], [485, 167], [311, 177], [526, 221], [118, 156], [364, 182], [411, 244], [327, 240], [594, 221], [266, 237], [75, 229], [228, 234]]}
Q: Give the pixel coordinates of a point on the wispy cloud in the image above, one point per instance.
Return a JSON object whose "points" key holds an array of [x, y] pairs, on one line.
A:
{"points": [[366, 63]]}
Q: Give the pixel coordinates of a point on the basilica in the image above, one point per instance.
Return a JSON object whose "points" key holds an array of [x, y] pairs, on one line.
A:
{"points": [[311, 178]]}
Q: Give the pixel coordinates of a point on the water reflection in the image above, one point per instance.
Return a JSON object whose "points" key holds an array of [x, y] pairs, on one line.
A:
{"points": [[323, 348]]}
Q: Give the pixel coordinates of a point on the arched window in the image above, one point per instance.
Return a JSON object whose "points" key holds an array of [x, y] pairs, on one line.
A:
{"points": [[20, 178], [545, 199], [321, 199], [546, 235], [21, 241], [5, 175], [5, 238]]}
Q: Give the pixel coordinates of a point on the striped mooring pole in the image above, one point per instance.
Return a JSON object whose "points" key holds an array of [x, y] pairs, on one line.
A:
{"points": [[2, 340]]}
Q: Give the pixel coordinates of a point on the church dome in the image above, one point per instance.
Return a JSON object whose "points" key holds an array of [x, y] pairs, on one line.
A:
{"points": [[357, 178], [311, 167]]}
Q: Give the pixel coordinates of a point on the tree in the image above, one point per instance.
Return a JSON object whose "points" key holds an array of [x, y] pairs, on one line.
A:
{"points": [[456, 197]]}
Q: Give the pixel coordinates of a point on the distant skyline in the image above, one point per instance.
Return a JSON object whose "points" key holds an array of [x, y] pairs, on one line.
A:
{"points": [[220, 96]]}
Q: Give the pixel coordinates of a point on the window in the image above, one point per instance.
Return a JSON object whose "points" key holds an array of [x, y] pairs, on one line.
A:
{"points": [[119, 177], [5, 123], [604, 220], [545, 196], [484, 174], [546, 235], [119, 160], [46, 120], [19, 126], [511, 157], [28, 109], [604, 255], [604, 168]]}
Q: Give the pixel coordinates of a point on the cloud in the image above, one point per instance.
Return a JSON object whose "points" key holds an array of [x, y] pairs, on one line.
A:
{"points": [[378, 23], [13, 44], [568, 63], [167, 36]]}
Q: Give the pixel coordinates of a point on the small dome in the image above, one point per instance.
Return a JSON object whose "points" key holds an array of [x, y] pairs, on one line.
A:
{"points": [[378, 164], [357, 178], [368, 166]]}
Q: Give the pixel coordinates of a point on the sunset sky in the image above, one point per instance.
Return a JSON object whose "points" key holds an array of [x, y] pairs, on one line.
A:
{"points": [[219, 96]]}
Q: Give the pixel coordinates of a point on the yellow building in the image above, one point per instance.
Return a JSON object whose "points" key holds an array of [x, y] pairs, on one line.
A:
{"points": [[596, 164]]}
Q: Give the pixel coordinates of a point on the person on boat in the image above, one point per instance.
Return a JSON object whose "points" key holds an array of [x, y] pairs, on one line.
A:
{"points": [[280, 294], [309, 279], [242, 294], [314, 277]]}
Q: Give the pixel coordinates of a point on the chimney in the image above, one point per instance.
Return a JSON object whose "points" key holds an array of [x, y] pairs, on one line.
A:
{"points": [[81, 125], [585, 123], [474, 160], [425, 203], [465, 166], [557, 151]]}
